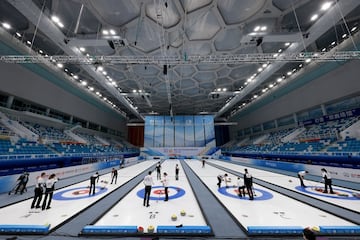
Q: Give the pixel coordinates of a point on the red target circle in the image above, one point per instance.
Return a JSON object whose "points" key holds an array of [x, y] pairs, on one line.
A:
{"points": [[79, 192], [159, 191]]}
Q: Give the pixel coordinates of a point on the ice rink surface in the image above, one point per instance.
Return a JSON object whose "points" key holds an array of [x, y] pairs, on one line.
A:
{"points": [[269, 208]]}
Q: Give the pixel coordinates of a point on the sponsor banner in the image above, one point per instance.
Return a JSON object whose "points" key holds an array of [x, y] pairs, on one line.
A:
{"points": [[332, 117], [173, 151]]}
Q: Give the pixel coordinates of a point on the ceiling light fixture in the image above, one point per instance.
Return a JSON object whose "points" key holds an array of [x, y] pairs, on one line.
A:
{"points": [[314, 17], [326, 6], [6, 25], [55, 19]]}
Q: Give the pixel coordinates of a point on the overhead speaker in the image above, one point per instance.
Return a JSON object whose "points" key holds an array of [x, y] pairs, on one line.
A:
{"points": [[165, 70], [111, 44], [259, 41]]}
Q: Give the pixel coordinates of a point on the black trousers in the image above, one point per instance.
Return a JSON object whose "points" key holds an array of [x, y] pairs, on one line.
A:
{"points": [[241, 192], [219, 182], [301, 180], [114, 178], [147, 195], [48, 193], [328, 182], [249, 190], [37, 197], [92, 188], [166, 194]]}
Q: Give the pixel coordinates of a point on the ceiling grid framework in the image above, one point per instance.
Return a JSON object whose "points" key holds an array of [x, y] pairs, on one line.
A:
{"points": [[171, 57]]}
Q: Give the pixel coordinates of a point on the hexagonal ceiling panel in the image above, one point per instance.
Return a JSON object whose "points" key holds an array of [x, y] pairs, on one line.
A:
{"points": [[177, 52]]}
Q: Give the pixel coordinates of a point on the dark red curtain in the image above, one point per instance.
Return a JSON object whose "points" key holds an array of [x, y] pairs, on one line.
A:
{"points": [[136, 135]]}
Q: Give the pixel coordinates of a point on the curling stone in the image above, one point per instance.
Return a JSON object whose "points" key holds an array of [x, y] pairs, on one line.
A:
{"points": [[182, 213], [150, 229], [174, 217]]}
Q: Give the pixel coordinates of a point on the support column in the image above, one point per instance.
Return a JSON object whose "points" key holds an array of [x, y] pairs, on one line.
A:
{"points": [[295, 119], [10, 101], [323, 109]]}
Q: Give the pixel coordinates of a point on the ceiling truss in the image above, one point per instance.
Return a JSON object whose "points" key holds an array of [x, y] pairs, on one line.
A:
{"points": [[178, 60]]}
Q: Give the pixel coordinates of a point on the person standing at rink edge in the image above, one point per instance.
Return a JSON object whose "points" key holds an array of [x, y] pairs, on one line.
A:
{"points": [[38, 191], [148, 182], [177, 172], [248, 184], [327, 180], [219, 178], [49, 190], [158, 171], [93, 179], [23, 180], [301, 176], [114, 174], [165, 183]]}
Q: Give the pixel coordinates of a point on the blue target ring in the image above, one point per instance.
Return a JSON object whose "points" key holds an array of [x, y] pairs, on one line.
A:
{"points": [[264, 194], [350, 197], [179, 193], [85, 194]]}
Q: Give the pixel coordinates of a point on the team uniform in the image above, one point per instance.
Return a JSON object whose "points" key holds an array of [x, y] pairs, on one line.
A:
{"points": [[49, 191], [93, 179], [248, 184], [38, 191], [148, 182]]}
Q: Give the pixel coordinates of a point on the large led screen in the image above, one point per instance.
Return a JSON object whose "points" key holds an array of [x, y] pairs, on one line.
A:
{"points": [[179, 131]]}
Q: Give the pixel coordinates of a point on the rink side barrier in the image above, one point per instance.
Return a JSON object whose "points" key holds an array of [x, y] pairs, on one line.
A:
{"points": [[266, 230], [183, 230], [24, 229], [96, 230], [340, 229], [131, 230], [291, 230]]}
